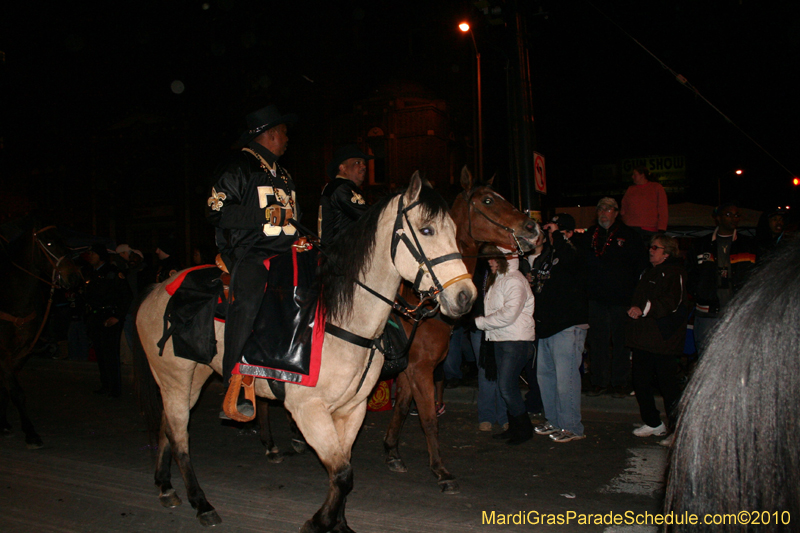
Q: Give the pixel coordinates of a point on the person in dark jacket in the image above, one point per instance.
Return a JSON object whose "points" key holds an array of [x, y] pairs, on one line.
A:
{"points": [[107, 299], [560, 316], [614, 259], [720, 264], [251, 206], [657, 333], [342, 201]]}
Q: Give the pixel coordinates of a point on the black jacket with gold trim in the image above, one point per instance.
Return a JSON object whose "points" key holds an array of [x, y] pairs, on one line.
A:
{"points": [[342, 203], [237, 206]]}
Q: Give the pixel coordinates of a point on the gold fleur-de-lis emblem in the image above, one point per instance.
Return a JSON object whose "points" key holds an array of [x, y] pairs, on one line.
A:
{"points": [[357, 198], [217, 199]]}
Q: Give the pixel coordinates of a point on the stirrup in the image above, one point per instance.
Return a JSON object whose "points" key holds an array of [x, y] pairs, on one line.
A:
{"points": [[232, 397]]}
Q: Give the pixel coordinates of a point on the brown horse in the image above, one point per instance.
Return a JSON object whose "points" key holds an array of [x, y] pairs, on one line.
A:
{"points": [[481, 216], [362, 272], [36, 257]]}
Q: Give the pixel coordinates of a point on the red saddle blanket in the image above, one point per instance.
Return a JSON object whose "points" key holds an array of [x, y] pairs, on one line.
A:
{"points": [[287, 337]]}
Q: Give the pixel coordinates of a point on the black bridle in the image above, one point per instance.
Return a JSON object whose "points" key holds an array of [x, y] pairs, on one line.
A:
{"points": [[472, 207], [425, 266]]}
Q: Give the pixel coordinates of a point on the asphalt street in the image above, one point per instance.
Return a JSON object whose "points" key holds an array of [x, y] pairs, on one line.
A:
{"points": [[95, 471]]}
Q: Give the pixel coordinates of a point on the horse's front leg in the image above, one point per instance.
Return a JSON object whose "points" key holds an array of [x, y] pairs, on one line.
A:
{"points": [[327, 437], [391, 441], [32, 439], [423, 390]]}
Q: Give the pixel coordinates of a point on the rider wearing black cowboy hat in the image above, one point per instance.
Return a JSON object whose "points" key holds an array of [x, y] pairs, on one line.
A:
{"points": [[251, 205], [342, 201]]}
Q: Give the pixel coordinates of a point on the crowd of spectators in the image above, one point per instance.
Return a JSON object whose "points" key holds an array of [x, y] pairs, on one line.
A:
{"points": [[612, 307]]}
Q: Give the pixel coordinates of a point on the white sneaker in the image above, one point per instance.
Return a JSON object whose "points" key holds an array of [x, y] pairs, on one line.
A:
{"points": [[647, 431], [668, 441], [485, 426]]}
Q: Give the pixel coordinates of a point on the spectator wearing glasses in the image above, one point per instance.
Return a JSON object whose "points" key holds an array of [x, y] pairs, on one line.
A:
{"points": [[657, 333], [721, 263]]}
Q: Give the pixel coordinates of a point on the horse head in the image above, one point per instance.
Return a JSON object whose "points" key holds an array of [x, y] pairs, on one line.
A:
{"points": [[51, 255], [483, 216], [424, 249]]}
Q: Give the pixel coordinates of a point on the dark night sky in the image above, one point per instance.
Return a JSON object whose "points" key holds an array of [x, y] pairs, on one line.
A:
{"points": [[74, 69]]}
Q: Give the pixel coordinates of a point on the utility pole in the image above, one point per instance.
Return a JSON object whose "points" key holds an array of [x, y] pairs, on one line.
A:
{"points": [[520, 109]]}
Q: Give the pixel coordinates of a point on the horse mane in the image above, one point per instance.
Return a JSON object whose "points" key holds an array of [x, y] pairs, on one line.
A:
{"points": [[351, 253], [736, 444]]}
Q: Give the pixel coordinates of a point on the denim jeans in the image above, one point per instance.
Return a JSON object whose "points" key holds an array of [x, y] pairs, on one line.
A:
{"points": [[533, 400], [458, 351], [703, 330], [559, 362], [491, 406], [511, 357]]}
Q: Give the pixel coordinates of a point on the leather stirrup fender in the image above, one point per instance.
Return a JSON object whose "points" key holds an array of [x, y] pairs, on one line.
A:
{"points": [[232, 397]]}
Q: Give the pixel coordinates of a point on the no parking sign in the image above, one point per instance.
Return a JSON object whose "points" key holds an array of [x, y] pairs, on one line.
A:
{"points": [[539, 176]]}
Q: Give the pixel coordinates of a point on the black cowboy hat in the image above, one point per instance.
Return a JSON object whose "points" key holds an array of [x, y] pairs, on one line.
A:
{"points": [[260, 121], [343, 154]]}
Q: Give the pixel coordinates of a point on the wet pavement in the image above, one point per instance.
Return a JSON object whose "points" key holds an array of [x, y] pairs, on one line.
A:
{"points": [[95, 472]]}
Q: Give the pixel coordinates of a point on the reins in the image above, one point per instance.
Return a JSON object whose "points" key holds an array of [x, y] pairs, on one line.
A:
{"points": [[21, 321]]}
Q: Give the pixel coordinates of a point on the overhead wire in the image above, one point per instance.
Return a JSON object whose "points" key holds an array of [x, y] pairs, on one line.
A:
{"points": [[683, 81]]}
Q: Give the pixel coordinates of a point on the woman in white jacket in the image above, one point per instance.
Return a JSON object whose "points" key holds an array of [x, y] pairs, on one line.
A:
{"points": [[508, 323]]}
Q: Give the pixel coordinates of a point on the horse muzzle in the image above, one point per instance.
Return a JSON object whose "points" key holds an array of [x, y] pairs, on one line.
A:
{"points": [[458, 296]]}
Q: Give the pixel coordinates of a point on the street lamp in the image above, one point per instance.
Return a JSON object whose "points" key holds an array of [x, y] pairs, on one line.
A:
{"points": [[738, 172], [464, 27]]}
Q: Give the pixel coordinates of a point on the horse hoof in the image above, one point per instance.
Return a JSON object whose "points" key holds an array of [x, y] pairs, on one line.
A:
{"points": [[169, 499], [449, 486], [35, 444], [209, 518], [396, 465], [274, 457], [299, 446]]}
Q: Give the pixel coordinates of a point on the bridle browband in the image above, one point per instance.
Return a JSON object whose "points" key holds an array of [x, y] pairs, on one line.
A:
{"points": [[471, 207]]}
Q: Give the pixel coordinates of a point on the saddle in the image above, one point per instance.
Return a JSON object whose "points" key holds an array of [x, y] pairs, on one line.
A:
{"points": [[280, 347]]}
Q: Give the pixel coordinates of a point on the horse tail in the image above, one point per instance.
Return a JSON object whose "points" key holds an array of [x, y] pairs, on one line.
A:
{"points": [[148, 394]]}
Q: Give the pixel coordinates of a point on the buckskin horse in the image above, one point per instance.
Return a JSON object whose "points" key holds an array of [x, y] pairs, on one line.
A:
{"points": [[34, 257], [481, 216], [359, 279]]}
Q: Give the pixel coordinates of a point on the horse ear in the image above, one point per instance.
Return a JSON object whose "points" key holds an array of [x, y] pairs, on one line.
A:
{"points": [[412, 193], [491, 180], [466, 179]]}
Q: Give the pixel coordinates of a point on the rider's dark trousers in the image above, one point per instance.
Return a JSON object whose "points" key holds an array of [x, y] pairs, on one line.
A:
{"points": [[247, 290]]}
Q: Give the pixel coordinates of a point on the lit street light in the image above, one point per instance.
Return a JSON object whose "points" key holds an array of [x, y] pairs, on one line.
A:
{"points": [[464, 27]]}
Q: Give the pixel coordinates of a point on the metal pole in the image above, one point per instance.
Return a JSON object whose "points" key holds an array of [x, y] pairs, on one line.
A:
{"points": [[480, 106]]}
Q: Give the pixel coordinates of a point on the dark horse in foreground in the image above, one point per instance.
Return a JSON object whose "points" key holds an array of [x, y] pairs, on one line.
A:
{"points": [[406, 236], [29, 261], [736, 450], [481, 216]]}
